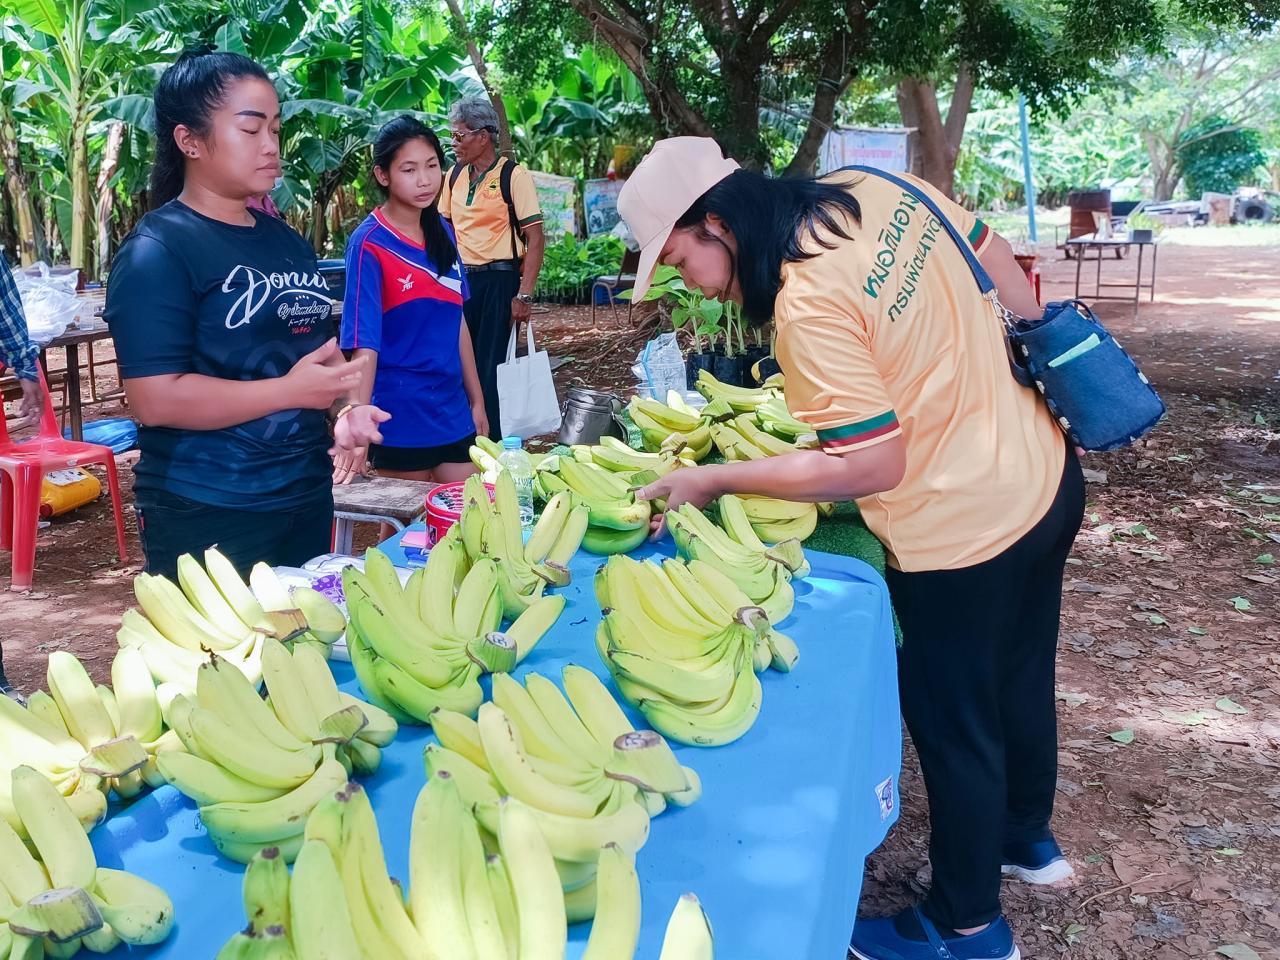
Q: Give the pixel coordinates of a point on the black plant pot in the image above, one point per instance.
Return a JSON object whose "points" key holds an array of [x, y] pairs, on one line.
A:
{"points": [[695, 362], [753, 356], [728, 370]]}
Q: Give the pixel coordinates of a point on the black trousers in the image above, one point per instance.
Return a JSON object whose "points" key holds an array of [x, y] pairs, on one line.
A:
{"points": [[488, 313], [976, 681], [170, 526]]}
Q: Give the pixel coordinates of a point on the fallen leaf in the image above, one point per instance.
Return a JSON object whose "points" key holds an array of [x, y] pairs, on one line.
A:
{"points": [[1238, 951], [1124, 649], [1241, 603], [1071, 698], [1265, 558], [1094, 476], [1156, 620], [1198, 631], [1193, 719], [1121, 736], [1230, 852], [1227, 705]]}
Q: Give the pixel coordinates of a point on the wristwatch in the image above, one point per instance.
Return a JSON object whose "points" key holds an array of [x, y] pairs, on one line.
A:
{"points": [[524, 297]]}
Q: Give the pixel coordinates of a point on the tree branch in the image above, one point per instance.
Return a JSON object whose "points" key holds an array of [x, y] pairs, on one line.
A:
{"points": [[482, 70], [834, 78], [961, 102]]}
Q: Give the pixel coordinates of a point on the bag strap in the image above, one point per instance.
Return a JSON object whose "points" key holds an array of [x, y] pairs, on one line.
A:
{"points": [[454, 174], [980, 274], [528, 339], [504, 186]]}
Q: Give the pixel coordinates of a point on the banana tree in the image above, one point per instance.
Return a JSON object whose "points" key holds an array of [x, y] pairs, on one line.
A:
{"points": [[340, 81], [76, 48], [15, 91]]}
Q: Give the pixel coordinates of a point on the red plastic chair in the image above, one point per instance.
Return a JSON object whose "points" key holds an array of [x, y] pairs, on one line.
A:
{"points": [[22, 469]]}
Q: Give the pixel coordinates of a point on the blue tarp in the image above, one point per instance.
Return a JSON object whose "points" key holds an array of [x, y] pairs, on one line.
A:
{"points": [[774, 848]]}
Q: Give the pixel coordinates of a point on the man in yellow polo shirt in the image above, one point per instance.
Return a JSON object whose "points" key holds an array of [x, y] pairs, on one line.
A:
{"points": [[493, 206]]}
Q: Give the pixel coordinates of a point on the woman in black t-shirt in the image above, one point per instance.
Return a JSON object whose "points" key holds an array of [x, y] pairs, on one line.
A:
{"points": [[221, 325]]}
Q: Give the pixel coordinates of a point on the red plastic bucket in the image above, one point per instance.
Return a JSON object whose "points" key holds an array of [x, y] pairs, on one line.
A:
{"points": [[444, 509]]}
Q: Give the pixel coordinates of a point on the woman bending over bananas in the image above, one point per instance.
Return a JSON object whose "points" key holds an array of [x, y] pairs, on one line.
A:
{"points": [[896, 360]]}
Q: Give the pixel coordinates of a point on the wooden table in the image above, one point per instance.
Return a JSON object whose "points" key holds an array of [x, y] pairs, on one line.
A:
{"points": [[70, 341], [1117, 243], [394, 502]]}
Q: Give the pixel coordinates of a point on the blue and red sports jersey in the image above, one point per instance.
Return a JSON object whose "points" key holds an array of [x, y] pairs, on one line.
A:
{"points": [[398, 304]]}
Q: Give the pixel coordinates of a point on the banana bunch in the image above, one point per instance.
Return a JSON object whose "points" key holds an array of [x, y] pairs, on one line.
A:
{"points": [[58, 900], [339, 901], [777, 521], [637, 467], [762, 573], [212, 609], [684, 644], [484, 456], [618, 522], [674, 425], [742, 438], [424, 646], [256, 768], [493, 531], [740, 399], [86, 740], [586, 774]]}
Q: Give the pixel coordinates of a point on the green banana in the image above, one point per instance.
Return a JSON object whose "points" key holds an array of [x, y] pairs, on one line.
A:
{"points": [[266, 891], [135, 694], [207, 783], [603, 542], [82, 709]]}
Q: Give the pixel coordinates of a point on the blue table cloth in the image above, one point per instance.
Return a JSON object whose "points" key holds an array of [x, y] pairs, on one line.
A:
{"points": [[774, 848]]}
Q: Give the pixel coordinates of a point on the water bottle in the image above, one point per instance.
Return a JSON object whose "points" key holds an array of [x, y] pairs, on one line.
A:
{"points": [[517, 463]]}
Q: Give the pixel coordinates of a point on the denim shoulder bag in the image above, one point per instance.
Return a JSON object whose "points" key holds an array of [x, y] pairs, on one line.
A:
{"points": [[1091, 385]]}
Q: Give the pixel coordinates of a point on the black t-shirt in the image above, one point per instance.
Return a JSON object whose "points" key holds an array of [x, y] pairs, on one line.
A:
{"points": [[189, 294]]}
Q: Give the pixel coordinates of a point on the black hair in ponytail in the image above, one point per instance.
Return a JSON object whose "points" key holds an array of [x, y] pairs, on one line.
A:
{"points": [[187, 94], [394, 135]]}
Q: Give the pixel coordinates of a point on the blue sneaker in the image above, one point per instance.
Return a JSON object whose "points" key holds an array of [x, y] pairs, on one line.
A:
{"points": [[1040, 861], [880, 940]]}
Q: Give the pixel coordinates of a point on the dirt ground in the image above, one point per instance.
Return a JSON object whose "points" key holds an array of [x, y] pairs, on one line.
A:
{"points": [[1169, 670]]}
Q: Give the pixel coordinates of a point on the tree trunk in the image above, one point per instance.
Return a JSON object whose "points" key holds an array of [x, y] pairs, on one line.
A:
{"points": [[31, 235], [937, 140], [834, 78], [482, 70], [107, 196], [672, 113], [81, 206]]}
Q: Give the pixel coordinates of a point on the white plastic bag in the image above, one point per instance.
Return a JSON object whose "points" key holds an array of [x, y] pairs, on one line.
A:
{"points": [[49, 302], [660, 367], [526, 391]]}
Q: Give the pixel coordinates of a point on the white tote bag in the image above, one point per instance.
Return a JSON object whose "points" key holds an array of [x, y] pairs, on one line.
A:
{"points": [[526, 392]]}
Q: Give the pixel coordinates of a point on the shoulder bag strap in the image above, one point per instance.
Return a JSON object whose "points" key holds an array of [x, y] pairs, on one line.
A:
{"points": [[985, 283], [504, 186]]}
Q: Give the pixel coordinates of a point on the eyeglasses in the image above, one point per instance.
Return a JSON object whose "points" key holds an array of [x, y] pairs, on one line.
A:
{"points": [[460, 137]]}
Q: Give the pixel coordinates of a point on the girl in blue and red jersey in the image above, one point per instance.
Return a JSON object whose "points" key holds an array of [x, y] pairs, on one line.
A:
{"points": [[403, 311]]}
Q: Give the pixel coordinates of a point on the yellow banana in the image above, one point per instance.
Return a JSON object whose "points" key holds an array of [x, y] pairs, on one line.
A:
{"points": [[270, 820], [435, 870], [83, 711], [203, 594], [253, 760], [174, 616], [688, 935], [517, 775], [55, 832], [539, 899], [322, 927], [135, 694], [207, 783], [290, 699], [615, 931], [595, 706]]}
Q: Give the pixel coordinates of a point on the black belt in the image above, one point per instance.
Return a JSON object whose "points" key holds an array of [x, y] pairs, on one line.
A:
{"points": [[508, 265]]}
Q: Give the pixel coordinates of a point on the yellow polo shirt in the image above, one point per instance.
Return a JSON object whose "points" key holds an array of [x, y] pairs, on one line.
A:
{"points": [[479, 214], [887, 335]]}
